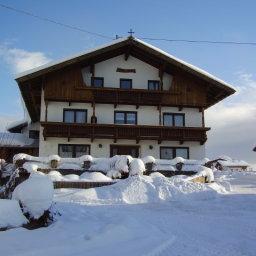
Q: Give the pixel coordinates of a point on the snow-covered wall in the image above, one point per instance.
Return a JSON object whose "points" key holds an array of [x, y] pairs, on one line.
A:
{"points": [[144, 72]]}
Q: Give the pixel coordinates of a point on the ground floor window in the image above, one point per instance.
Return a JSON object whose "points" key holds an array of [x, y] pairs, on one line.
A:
{"points": [[73, 150], [124, 150], [172, 152]]}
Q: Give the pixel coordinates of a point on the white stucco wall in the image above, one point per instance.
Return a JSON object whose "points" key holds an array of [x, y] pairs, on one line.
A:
{"points": [[50, 146], [146, 115], [144, 72]]}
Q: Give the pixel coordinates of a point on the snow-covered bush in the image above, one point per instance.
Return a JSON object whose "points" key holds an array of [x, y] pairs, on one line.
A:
{"points": [[137, 167], [114, 174], [35, 194], [148, 159], [10, 214]]}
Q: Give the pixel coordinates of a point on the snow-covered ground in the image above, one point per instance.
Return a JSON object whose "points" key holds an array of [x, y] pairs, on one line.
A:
{"points": [[217, 219]]}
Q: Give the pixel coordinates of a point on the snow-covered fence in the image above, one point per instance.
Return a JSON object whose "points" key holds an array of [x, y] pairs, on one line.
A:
{"points": [[81, 184]]}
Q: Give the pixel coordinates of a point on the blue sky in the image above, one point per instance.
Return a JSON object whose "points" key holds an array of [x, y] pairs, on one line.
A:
{"points": [[25, 42]]}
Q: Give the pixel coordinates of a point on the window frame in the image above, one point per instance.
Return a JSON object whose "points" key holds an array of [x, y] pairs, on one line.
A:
{"points": [[125, 116], [174, 151], [73, 148], [159, 87], [32, 133], [173, 119], [75, 110], [97, 77], [125, 79]]}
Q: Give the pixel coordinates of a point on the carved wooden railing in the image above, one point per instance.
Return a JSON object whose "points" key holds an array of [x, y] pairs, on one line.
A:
{"points": [[131, 132]]}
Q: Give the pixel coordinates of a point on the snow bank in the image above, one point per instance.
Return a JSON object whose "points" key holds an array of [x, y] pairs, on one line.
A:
{"points": [[10, 214], [35, 194], [145, 189]]}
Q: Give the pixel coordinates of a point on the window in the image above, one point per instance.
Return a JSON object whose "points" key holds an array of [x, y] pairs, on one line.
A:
{"points": [[172, 152], [125, 117], [97, 82], [33, 134], [153, 85], [125, 83], [71, 150], [75, 116], [172, 119]]}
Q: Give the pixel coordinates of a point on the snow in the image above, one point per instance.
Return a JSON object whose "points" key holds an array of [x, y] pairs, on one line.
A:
{"points": [[35, 194], [137, 167], [203, 171], [148, 159], [11, 214], [213, 222], [94, 176]]}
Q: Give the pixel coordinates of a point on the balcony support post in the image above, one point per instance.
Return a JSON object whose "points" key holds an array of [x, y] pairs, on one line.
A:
{"points": [[46, 111]]}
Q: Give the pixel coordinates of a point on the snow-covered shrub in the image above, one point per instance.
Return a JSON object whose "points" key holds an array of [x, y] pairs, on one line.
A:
{"points": [[21, 156], [10, 214], [54, 157], [35, 194], [148, 159], [121, 163], [84, 158], [30, 167], [114, 174], [137, 167]]}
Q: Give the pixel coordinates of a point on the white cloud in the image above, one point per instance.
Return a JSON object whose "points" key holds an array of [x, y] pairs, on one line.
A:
{"points": [[21, 60], [233, 122]]}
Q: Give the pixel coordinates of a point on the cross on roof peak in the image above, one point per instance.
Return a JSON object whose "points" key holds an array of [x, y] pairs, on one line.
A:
{"points": [[131, 32]]}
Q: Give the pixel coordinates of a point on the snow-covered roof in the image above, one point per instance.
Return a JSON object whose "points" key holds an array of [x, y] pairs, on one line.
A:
{"points": [[17, 125], [114, 42], [16, 140], [233, 163]]}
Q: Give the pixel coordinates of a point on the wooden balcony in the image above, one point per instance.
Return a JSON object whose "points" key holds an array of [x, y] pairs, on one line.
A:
{"points": [[116, 96], [130, 132]]}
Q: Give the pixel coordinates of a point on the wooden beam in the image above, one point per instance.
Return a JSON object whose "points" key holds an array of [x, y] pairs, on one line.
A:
{"points": [[46, 111], [92, 69], [127, 53], [203, 121], [160, 114]]}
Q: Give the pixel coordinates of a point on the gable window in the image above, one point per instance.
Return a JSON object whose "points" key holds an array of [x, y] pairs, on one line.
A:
{"points": [[172, 152], [173, 119], [73, 150], [125, 83], [75, 116], [97, 82], [153, 85], [125, 117]]}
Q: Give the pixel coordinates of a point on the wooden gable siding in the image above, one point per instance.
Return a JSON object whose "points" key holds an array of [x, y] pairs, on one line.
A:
{"points": [[67, 85]]}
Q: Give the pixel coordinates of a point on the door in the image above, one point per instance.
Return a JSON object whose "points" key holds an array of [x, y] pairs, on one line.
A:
{"points": [[124, 150]]}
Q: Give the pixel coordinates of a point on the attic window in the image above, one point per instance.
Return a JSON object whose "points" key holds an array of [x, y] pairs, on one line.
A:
{"points": [[97, 82]]}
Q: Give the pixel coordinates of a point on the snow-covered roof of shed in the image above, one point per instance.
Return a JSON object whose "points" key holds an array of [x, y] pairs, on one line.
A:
{"points": [[114, 42], [17, 125], [16, 140]]}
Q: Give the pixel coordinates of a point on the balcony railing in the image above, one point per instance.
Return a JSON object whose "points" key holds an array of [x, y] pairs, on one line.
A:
{"points": [[132, 96], [130, 132]]}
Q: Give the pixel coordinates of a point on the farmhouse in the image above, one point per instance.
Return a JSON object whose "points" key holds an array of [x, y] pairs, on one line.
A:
{"points": [[127, 97]]}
